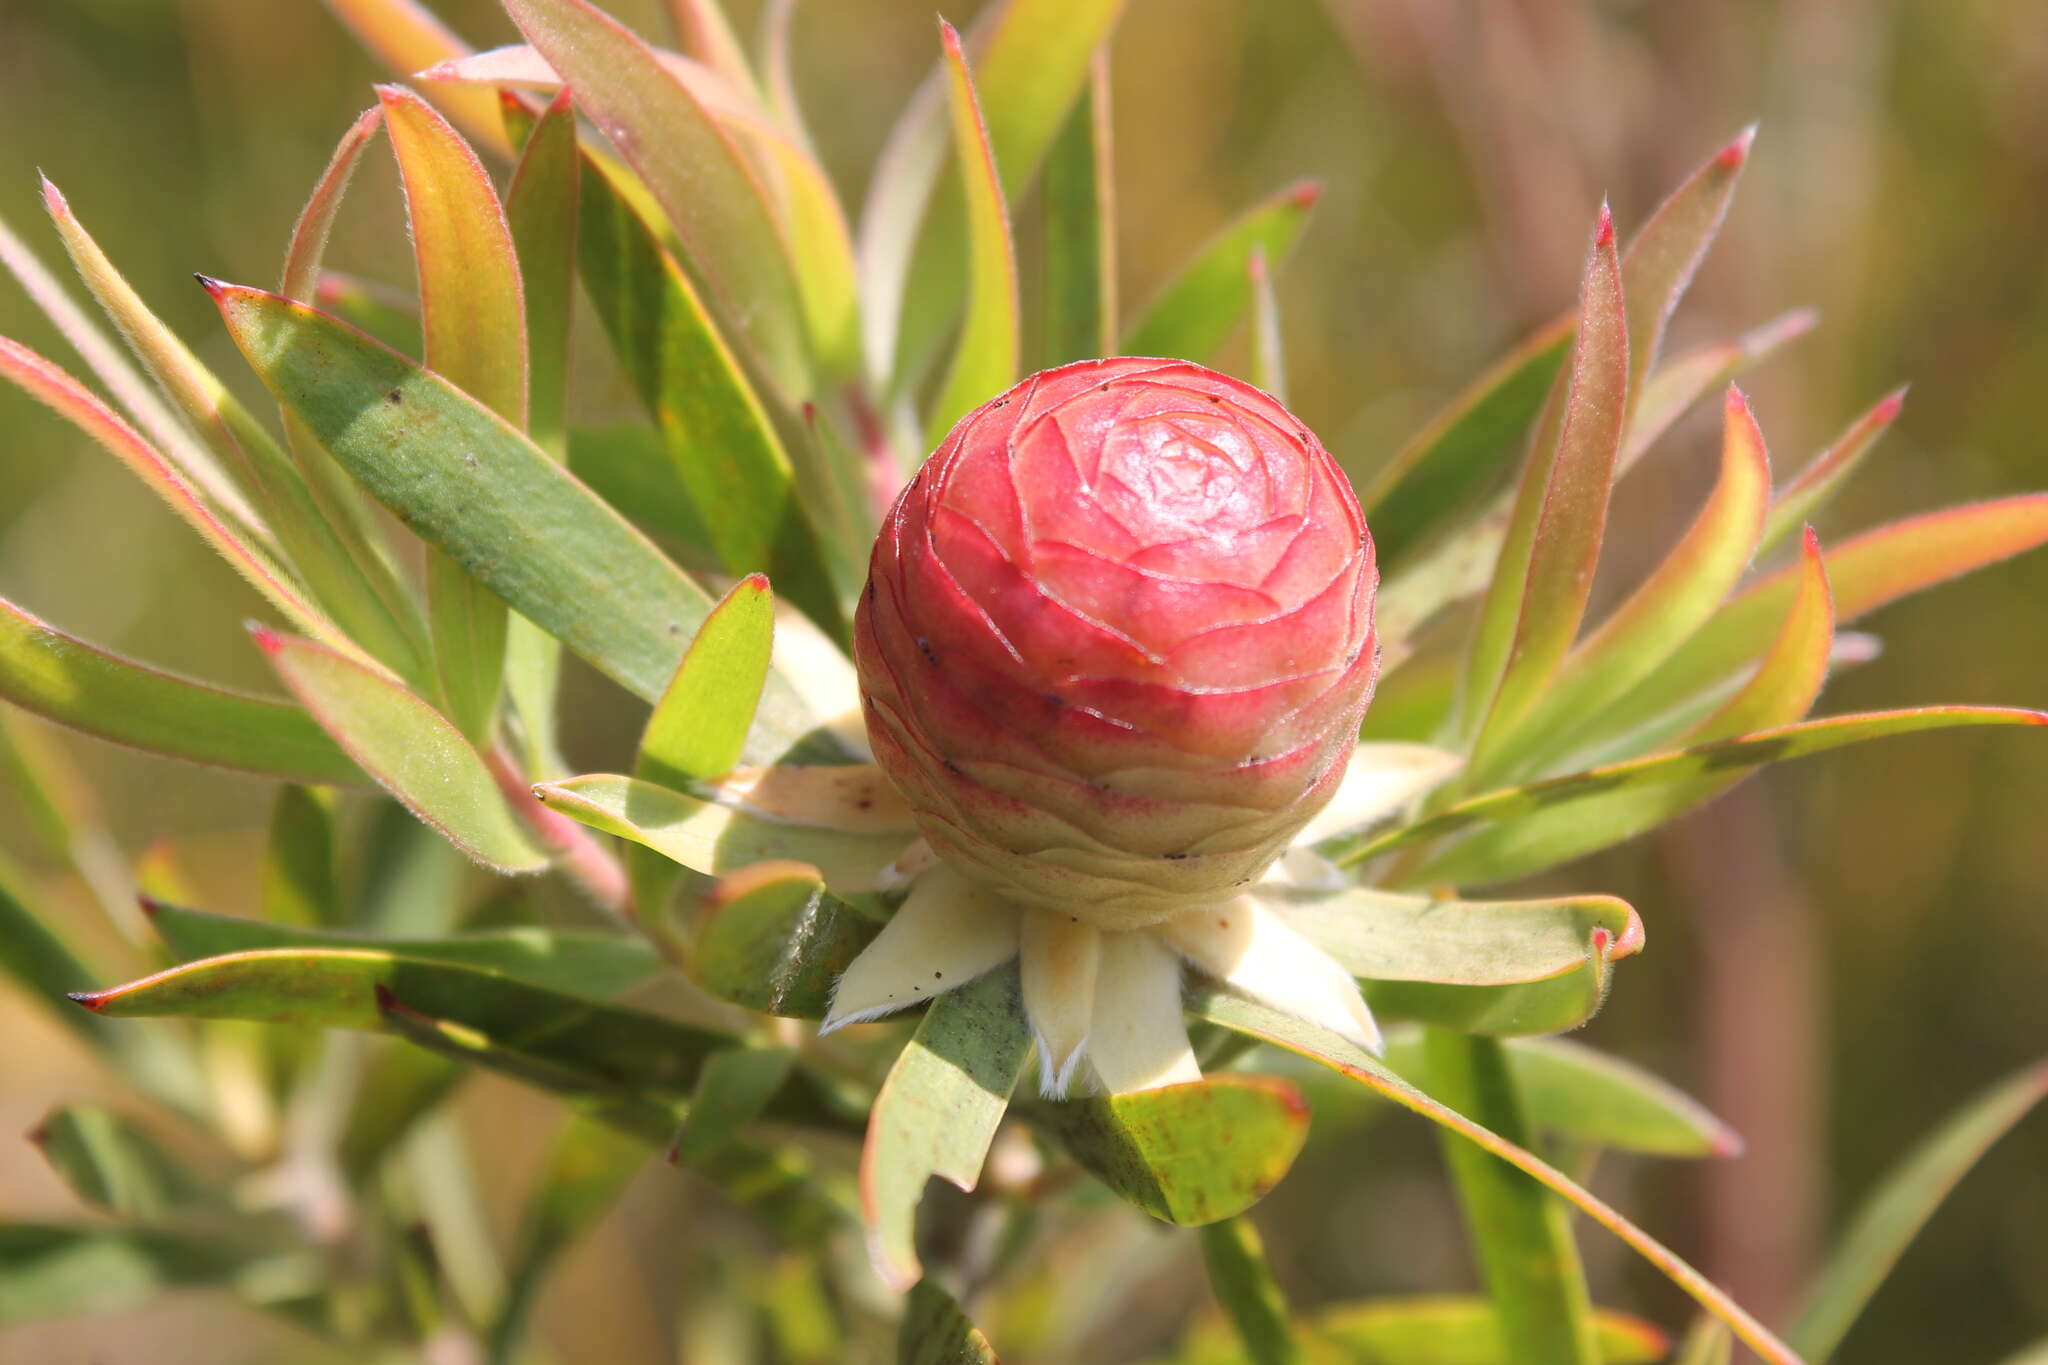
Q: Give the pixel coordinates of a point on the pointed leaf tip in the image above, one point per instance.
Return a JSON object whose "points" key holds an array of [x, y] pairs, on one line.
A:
{"points": [[211, 285], [1888, 407], [92, 1000], [150, 906], [53, 198], [949, 37], [267, 640], [1732, 156], [1305, 194], [1604, 234]]}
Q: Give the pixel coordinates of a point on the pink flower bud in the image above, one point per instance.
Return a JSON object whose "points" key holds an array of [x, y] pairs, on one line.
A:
{"points": [[1117, 638]]}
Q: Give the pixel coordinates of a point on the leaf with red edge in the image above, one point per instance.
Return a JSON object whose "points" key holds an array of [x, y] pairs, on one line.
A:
{"points": [[73, 401], [713, 199], [406, 37], [1795, 668], [1531, 614], [1681, 595], [413, 751], [1665, 253], [1519, 830], [1204, 302], [1321, 1045], [1672, 389], [1865, 572], [1815, 484]]}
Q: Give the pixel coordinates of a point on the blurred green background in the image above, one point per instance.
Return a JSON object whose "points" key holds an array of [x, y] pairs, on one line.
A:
{"points": [[1839, 953]]}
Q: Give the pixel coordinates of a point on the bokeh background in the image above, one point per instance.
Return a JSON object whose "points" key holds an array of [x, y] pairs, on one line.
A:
{"points": [[1840, 952]]}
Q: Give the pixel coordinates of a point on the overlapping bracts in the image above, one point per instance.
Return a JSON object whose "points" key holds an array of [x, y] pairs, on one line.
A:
{"points": [[1117, 638]]}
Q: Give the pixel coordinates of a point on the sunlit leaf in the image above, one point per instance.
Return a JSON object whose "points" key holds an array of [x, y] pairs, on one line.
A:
{"points": [[1199, 308], [1791, 673], [540, 211], [1078, 203], [1321, 1045], [1186, 1154], [985, 356], [711, 196], [1518, 830], [1799, 499], [936, 1332], [1441, 1329], [595, 965], [1891, 1215], [473, 324], [937, 1112], [1384, 936], [412, 750], [717, 838], [1532, 610], [1665, 253], [406, 37], [773, 939], [1708, 1343], [1670, 391], [76, 684]]}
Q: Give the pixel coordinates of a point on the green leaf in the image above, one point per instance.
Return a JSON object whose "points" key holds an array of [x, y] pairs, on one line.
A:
{"points": [[43, 965], [936, 1332], [301, 884], [1519, 830], [116, 1166], [1708, 1343], [1790, 675], [698, 730], [473, 323], [1243, 1284], [1078, 203], [1678, 597], [358, 589], [1665, 253], [1520, 1234], [1798, 500], [985, 356], [1321, 1045], [400, 1085], [1869, 571], [938, 1110], [773, 939], [540, 213], [1384, 936], [80, 685], [1199, 308], [1531, 613], [1031, 60], [716, 839], [594, 965], [736, 1085], [1589, 1097], [1464, 451], [711, 196], [1892, 1214], [1672, 390], [413, 751], [1186, 1154], [51, 1271], [478, 489], [1435, 1330], [1269, 365], [723, 455]]}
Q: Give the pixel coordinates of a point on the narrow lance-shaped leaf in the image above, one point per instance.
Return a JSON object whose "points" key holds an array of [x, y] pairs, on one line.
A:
{"points": [[1519, 830], [478, 489], [744, 501], [1321, 1045], [1433, 1329], [117, 1166], [1078, 202], [1195, 313], [1792, 672], [1663, 256], [73, 401], [130, 389], [712, 198], [301, 883], [1269, 368], [1670, 391], [703, 32], [413, 751], [1250, 1297], [1678, 597], [731, 1093], [1798, 500], [1865, 572], [1031, 61], [985, 356], [76, 684], [1545, 572], [359, 592], [936, 1332], [1894, 1213], [406, 37], [698, 730], [473, 322], [938, 1111], [53, 1271]]}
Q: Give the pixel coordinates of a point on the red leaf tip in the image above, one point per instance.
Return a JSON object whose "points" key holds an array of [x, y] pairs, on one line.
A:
{"points": [[1731, 157], [1888, 407], [949, 38], [38, 1136], [1603, 236], [1736, 401], [149, 905], [1809, 542], [564, 99], [1304, 195], [267, 640], [755, 582], [1255, 265], [211, 285], [53, 198], [92, 1000]]}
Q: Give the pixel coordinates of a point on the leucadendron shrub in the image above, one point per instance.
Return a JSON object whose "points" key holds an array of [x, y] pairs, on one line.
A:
{"points": [[1050, 740]]}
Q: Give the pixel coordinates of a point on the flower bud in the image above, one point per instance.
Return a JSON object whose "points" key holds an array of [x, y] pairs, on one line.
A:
{"points": [[1117, 638]]}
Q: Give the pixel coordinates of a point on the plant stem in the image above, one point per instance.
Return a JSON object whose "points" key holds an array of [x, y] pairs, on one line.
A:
{"points": [[1522, 1235], [1244, 1285]]}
